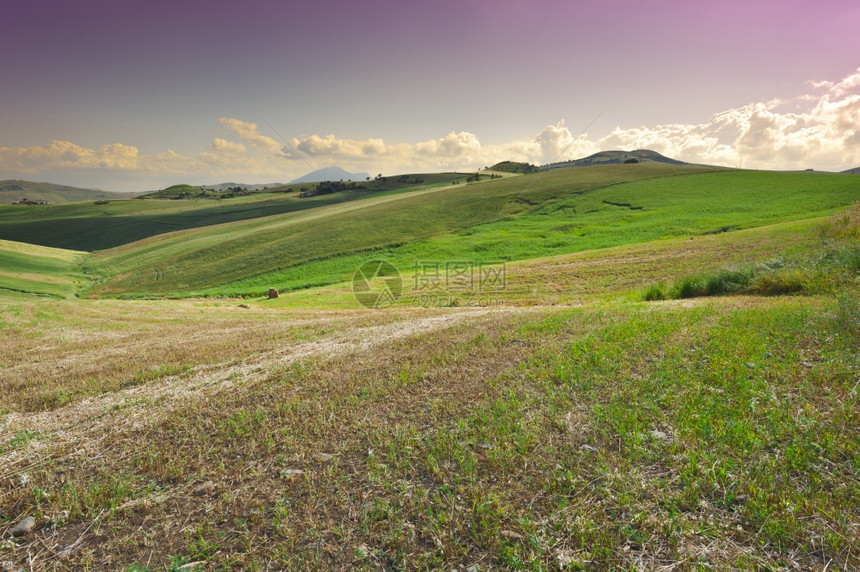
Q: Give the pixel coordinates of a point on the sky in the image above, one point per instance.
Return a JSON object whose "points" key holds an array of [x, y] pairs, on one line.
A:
{"points": [[136, 95]]}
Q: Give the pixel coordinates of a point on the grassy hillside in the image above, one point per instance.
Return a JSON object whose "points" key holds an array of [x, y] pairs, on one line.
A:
{"points": [[244, 245], [40, 270], [203, 258], [86, 226], [616, 158], [610, 274], [13, 190], [90, 226], [504, 220]]}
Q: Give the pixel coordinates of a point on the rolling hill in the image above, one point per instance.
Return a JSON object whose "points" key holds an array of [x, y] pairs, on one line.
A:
{"points": [[243, 245], [663, 374], [89, 226], [339, 232], [615, 158], [13, 191], [40, 270], [250, 187]]}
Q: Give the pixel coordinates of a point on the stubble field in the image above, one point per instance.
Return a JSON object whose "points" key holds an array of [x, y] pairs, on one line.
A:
{"points": [[571, 426]]}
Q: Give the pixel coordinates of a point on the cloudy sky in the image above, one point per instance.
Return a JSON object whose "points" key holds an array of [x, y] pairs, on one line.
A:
{"points": [[133, 95]]}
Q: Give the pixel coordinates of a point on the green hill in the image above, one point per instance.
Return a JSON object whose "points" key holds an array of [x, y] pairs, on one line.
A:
{"points": [[242, 245], [98, 225], [89, 226], [182, 191], [13, 191], [550, 213], [40, 270], [616, 158], [514, 167], [200, 259]]}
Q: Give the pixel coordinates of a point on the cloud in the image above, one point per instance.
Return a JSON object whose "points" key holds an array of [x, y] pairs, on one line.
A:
{"points": [[229, 148], [249, 133], [65, 154], [553, 141], [456, 150], [819, 128], [841, 88], [331, 146]]}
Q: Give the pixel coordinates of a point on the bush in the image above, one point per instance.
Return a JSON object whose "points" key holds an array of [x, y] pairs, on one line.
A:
{"points": [[690, 287], [654, 292], [728, 281]]}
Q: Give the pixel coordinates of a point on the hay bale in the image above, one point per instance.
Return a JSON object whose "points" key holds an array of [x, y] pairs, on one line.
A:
{"points": [[273, 293]]}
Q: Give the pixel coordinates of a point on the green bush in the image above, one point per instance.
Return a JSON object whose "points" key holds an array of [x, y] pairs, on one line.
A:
{"points": [[655, 292], [779, 283]]}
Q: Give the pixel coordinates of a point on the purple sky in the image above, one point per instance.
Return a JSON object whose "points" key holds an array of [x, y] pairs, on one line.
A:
{"points": [[133, 95]]}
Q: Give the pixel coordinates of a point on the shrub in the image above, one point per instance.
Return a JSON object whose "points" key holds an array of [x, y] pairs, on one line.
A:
{"points": [[778, 283], [690, 287], [654, 292], [728, 281]]}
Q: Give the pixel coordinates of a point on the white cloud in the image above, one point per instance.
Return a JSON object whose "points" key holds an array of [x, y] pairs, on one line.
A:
{"points": [[65, 154], [223, 147], [456, 150], [820, 129], [250, 133]]}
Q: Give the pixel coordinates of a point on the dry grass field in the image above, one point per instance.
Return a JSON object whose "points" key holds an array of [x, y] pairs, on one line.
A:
{"points": [[570, 426]]}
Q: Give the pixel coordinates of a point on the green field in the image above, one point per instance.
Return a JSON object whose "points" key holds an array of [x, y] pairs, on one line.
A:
{"points": [[12, 191], [39, 270], [89, 226], [505, 220], [666, 379], [195, 260], [242, 246], [586, 430]]}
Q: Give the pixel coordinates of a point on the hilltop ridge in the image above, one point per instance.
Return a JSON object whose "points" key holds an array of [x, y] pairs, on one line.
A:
{"points": [[615, 157]]}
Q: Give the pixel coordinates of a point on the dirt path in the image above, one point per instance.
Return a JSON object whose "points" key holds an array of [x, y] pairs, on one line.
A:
{"points": [[77, 428]]}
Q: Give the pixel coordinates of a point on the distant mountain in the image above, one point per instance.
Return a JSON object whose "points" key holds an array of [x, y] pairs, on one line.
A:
{"points": [[854, 171], [616, 157], [15, 191], [330, 174]]}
